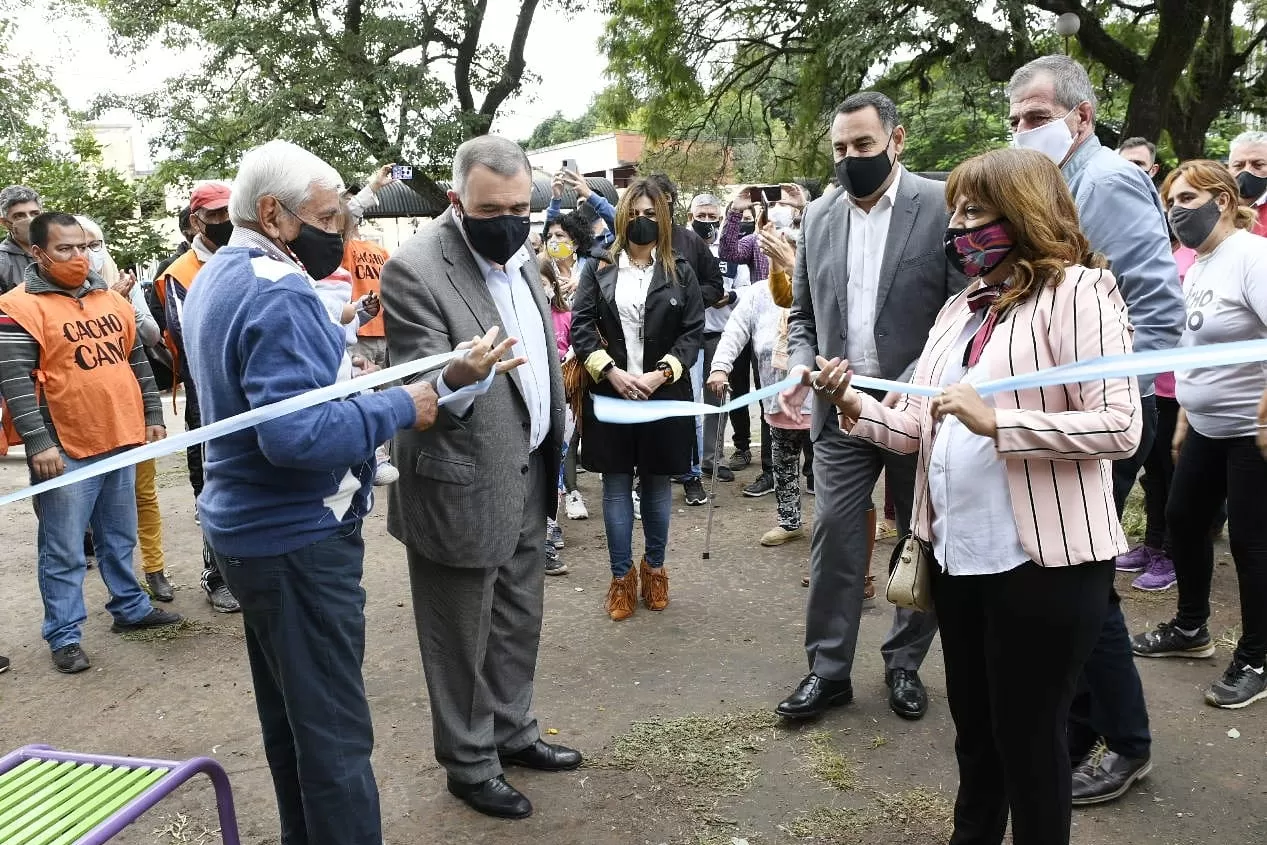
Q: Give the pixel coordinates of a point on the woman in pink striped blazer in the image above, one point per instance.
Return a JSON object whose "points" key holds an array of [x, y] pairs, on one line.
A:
{"points": [[1014, 492]]}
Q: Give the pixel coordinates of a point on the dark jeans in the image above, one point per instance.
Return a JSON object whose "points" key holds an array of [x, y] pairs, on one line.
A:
{"points": [[304, 615], [1110, 699], [1208, 470], [1159, 469], [1013, 644], [193, 455]]}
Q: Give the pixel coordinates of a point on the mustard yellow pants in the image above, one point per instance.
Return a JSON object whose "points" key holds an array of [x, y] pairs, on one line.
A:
{"points": [[149, 523]]}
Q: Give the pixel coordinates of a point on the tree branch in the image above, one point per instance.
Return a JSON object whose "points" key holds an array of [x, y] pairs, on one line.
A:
{"points": [[514, 68]]}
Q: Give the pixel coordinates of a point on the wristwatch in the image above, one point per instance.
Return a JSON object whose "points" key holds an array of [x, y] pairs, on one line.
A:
{"points": [[664, 368]]}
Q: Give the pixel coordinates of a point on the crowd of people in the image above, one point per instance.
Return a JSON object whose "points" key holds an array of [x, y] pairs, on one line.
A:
{"points": [[1053, 251]]}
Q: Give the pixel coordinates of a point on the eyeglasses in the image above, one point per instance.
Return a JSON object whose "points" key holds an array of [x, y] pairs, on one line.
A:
{"points": [[96, 246]]}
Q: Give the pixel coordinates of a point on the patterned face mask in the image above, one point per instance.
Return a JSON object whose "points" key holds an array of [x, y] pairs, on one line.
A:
{"points": [[977, 251]]}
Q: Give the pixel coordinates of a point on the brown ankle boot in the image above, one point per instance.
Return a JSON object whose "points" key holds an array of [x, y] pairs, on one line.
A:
{"points": [[655, 586], [868, 591], [622, 596]]}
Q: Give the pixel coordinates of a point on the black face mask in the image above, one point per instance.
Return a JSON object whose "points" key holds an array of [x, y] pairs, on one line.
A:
{"points": [[320, 252], [704, 229], [218, 233], [1251, 186], [862, 176], [642, 231], [1193, 226], [497, 238], [747, 227]]}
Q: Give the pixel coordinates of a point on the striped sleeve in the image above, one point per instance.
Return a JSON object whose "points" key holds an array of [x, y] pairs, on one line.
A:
{"points": [[19, 357], [149, 388], [1107, 420]]}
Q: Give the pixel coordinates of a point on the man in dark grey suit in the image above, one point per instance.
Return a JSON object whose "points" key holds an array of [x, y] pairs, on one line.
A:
{"points": [[871, 275], [475, 489]]}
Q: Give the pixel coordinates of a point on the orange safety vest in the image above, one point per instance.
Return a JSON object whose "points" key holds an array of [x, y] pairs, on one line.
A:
{"points": [[84, 373], [365, 260], [183, 270]]}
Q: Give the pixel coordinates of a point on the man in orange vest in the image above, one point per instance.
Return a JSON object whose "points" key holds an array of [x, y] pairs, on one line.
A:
{"points": [[80, 388], [209, 218]]}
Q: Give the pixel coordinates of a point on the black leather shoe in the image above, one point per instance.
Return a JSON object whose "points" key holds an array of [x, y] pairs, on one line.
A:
{"points": [[493, 797], [815, 695], [907, 696], [1107, 780], [544, 757]]}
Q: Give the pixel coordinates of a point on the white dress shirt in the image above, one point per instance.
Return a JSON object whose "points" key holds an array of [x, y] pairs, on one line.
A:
{"points": [[868, 237], [632, 284], [974, 529], [520, 318]]}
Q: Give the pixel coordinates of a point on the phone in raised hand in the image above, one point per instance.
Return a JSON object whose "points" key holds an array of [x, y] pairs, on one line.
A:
{"points": [[402, 172]]}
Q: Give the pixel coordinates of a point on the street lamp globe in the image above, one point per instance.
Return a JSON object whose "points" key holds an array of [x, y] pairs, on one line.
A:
{"points": [[1068, 24]]}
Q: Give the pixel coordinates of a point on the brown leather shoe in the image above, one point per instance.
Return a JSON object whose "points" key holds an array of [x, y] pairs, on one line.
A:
{"points": [[622, 596], [655, 586]]}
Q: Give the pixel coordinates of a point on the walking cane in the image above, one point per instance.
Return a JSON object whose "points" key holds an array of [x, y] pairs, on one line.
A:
{"points": [[712, 493]]}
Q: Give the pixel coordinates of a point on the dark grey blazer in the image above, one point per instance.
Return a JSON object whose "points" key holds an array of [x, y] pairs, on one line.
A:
{"points": [[915, 281], [463, 482]]}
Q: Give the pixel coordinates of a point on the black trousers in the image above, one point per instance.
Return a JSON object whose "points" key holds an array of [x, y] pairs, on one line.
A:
{"points": [[304, 615], [1014, 644], [1109, 704], [193, 419], [1159, 469], [1208, 470]]}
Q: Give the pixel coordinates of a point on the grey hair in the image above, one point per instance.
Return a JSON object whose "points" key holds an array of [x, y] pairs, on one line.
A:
{"points": [[704, 199], [16, 195], [500, 155], [90, 226], [1245, 139], [278, 169], [884, 107], [1069, 81]]}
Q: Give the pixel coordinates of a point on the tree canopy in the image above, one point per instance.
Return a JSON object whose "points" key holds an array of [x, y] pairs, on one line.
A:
{"points": [[69, 176], [359, 82], [1167, 68]]}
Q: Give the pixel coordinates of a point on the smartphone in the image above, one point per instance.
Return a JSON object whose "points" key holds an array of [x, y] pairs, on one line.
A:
{"points": [[570, 165], [403, 172], [771, 193]]}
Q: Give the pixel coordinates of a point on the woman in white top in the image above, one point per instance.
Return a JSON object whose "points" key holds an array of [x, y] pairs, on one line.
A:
{"points": [[1215, 438], [637, 324]]}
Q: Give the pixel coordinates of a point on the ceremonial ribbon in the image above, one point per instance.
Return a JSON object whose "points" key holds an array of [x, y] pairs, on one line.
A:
{"points": [[624, 411], [250, 419]]}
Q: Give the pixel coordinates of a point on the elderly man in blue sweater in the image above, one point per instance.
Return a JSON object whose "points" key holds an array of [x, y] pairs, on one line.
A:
{"points": [[283, 502]]}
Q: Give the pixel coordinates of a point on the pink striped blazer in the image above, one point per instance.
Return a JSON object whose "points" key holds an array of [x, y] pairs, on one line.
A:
{"points": [[1058, 442]]}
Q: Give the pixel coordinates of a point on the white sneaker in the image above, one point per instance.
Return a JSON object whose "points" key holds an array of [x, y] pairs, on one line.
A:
{"points": [[575, 506], [385, 473]]}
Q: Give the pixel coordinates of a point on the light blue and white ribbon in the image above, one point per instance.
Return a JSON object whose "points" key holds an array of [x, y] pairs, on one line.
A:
{"points": [[623, 411], [250, 419]]}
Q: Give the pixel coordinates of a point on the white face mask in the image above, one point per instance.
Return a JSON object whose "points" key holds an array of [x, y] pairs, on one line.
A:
{"points": [[782, 217], [1051, 139], [97, 260]]}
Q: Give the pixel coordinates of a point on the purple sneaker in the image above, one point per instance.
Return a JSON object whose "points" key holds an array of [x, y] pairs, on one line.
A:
{"points": [[1136, 560], [1159, 576]]}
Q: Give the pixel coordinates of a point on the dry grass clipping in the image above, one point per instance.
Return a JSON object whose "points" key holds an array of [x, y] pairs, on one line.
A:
{"points": [[179, 830], [829, 765], [703, 752], [168, 633]]}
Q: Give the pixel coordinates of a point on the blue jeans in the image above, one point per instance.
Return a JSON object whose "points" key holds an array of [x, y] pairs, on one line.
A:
{"points": [[107, 504], [618, 518], [304, 615]]}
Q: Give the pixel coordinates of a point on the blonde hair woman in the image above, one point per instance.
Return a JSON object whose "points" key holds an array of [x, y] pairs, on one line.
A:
{"points": [[1014, 494], [1217, 455]]}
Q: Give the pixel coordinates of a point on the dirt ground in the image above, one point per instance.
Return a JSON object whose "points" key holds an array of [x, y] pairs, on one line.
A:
{"points": [[673, 710]]}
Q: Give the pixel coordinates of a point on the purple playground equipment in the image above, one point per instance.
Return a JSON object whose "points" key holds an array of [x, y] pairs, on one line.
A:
{"points": [[50, 797]]}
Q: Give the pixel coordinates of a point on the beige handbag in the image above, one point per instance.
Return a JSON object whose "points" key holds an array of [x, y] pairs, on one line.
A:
{"points": [[910, 575]]}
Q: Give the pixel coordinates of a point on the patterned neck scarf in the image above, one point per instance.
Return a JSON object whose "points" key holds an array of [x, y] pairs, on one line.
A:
{"points": [[982, 299]]}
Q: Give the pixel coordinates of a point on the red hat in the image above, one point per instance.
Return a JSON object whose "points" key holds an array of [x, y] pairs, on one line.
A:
{"points": [[212, 196]]}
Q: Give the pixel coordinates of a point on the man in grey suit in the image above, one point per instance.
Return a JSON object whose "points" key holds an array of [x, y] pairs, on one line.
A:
{"points": [[474, 490], [871, 275]]}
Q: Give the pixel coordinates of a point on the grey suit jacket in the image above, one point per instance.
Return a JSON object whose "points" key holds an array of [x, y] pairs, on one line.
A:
{"points": [[915, 281], [463, 482]]}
